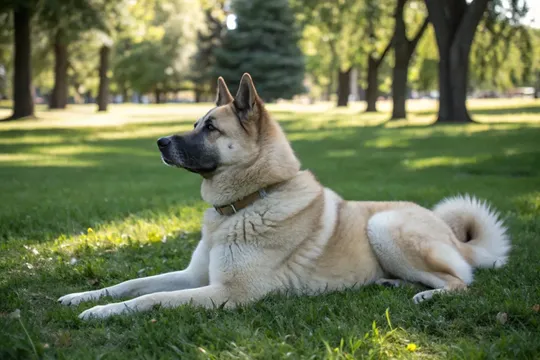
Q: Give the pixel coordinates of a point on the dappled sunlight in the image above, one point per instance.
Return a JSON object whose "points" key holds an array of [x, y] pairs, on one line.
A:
{"points": [[441, 161], [341, 153], [89, 207], [319, 135], [387, 142], [43, 159], [142, 228], [410, 121], [118, 115]]}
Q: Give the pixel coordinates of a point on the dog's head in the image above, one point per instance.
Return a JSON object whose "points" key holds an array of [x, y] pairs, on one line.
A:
{"points": [[229, 137]]}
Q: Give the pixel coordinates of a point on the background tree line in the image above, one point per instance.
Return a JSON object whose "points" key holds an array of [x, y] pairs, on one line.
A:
{"points": [[60, 51]]}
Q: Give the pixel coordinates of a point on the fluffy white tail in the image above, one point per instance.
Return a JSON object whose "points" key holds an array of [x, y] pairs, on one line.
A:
{"points": [[479, 227]]}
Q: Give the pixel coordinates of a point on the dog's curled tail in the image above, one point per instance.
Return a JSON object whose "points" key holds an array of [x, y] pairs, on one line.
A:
{"points": [[478, 227]]}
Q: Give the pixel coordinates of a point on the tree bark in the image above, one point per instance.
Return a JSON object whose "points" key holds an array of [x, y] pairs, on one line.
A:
{"points": [[59, 94], [124, 94], [334, 64], [157, 94], [403, 50], [23, 101], [455, 23], [103, 93], [372, 91], [399, 88], [344, 87], [198, 94], [537, 85]]}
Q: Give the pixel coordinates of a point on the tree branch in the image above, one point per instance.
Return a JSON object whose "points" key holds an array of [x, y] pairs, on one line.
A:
{"points": [[385, 51], [469, 23], [437, 16], [418, 36]]}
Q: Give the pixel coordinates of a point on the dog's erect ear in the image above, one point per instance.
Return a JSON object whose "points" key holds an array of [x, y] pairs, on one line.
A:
{"points": [[246, 96], [224, 96]]}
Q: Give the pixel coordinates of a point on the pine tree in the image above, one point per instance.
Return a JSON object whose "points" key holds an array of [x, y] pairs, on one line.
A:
{"points": [[265, 44]]}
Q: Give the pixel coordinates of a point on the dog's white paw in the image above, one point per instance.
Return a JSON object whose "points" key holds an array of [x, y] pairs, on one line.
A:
{"points": [[77, 298], [426, 295], [103, 311]]}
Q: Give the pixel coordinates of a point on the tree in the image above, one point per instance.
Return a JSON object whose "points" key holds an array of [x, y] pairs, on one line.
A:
{"points": [[375, 11], [209, 39], [65, 21], [502, 55], [333, 38], [455, 23], [265, 44], [403, 50], [103, 94], [23, 101], [156, 56], [116, 21]]}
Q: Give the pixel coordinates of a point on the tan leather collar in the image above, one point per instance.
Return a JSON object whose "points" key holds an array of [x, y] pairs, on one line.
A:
{"points": [[233, 208]]}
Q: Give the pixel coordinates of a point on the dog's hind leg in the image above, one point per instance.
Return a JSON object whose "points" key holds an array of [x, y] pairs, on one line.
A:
{"points": [[413, 245], [391, 282], [452, 284]]}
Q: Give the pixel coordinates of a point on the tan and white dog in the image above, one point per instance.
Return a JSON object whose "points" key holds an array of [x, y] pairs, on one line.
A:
{"points": [[275, 228]]}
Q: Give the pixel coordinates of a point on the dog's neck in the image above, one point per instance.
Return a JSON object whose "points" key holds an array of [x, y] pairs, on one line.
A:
{"points": [[276, 164]]}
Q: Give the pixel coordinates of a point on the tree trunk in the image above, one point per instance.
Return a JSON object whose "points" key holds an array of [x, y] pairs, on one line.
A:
{"points": [[124, 94], [372, 91], [403, 50], [157, 94], [103, 93], [23, 101], [198, 95], [344, 87], [537, 85], [399, 87], [401, 63], [455, 24], [59, 94]]}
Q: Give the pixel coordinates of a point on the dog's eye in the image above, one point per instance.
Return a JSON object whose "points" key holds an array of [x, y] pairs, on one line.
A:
{"points": [[195, 125], [210, 127]]}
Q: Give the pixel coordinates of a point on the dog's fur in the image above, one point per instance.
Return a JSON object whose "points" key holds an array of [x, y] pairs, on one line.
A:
{"points": [[300, 238]]}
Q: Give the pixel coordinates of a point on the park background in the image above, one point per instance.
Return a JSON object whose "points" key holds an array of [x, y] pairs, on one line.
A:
{"points": [[382, 100]]}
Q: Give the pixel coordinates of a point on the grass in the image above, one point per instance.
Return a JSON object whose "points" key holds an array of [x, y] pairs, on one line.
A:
{"points": [[85, 203]]}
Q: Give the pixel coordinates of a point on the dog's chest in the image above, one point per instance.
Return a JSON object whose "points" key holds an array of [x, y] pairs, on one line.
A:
{"points": [[243, 245]]}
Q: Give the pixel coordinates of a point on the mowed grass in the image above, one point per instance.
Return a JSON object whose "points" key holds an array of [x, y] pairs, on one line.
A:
{"points": [[85, 202]]}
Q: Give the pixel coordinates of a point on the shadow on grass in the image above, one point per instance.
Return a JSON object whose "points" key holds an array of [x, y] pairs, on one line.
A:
{"points": [[108, 179], [509, 110], [125, 176]]}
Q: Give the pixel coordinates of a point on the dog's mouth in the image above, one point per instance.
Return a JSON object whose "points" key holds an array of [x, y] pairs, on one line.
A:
{"points": [[205, 172], [168, 162]]}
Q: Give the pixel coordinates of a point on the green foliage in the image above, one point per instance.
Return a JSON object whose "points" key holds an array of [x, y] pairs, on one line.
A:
{"points": [[424, 68], [502, 54], [209, 38], [265, 44], [71, 18], [156, 54], [338, 35]]}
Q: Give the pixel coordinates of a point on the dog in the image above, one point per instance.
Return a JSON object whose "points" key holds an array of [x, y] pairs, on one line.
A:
{"points": [[274, 228]]}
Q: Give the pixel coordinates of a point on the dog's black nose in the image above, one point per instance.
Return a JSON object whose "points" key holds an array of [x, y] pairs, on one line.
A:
{"points": [[163, 142]]}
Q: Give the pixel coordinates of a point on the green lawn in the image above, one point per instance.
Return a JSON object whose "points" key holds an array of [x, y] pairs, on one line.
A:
{"points": [[85, 202]]}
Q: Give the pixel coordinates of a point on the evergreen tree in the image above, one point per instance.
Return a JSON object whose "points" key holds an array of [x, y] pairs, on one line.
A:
{"points": [[209, 38], [265, 44]]}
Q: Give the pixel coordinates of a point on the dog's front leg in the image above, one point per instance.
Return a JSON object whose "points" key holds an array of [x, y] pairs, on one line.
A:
{"points": [[195, 275], [207, 296]]}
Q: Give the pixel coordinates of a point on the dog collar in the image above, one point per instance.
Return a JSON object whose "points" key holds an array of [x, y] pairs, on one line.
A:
{"points": [[236, 206]]}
